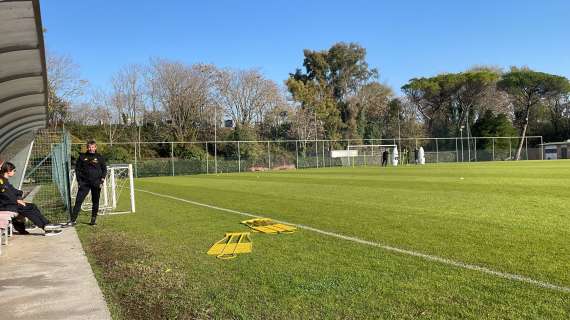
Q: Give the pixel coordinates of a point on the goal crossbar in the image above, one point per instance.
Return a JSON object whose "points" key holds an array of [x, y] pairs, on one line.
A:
{"points": [[372, 145]]}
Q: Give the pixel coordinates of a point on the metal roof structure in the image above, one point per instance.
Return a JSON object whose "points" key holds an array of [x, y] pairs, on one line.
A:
{"points": [[23, 74]]}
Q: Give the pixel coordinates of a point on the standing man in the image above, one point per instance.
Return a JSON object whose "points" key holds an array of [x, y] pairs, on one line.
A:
{"points": [[385, 158], [91, 171], [416, 156]]}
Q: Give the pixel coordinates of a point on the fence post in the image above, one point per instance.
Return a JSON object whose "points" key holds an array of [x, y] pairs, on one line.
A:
{"points": [[216, 157], [510, 149], [541, 149], [324, 162], [493, 149], [436, 151], [136, 166], [172, 157], [317, 151], [239, 158], [475, 144], [526, 146], [207, 159], [456, 152], [297, 153], [268, 155], [364, 154]]}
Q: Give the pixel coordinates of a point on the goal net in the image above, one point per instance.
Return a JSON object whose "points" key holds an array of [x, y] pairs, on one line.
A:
{"points": [[366, 154], [117, 192]]}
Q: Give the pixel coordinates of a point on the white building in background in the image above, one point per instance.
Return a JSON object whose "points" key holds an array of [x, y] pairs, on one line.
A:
{"points": [[556, 150]]}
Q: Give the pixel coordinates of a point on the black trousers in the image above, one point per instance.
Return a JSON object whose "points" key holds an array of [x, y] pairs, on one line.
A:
{"points": [[31, 212], [84, 189], [384, 162]]}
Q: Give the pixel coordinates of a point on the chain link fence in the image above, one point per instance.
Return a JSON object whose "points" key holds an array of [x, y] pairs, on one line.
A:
{"points": [[209, 157], [45, 177]]}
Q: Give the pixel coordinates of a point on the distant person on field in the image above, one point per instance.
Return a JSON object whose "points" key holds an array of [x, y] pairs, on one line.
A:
{"points": [[11, 200], [416, 156], [90, 170], [385, 158]]}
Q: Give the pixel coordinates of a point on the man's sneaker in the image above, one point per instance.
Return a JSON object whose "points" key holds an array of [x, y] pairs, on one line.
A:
{"points": [[52, 233], [52, 226], [69, 224], [22, 232], [93, 221]]}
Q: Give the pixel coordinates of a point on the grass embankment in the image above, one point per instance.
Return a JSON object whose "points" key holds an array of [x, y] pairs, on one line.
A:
{"points": [[509, 217]]}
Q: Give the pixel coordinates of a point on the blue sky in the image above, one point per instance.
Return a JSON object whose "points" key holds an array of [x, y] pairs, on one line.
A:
{"points": [[404, 39]]}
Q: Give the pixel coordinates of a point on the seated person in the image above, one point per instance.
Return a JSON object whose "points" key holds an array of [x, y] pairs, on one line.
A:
{"points": [[11, 200]]}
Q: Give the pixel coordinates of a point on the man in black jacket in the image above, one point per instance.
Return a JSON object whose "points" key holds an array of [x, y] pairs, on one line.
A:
{"points": [[90, 170], [385, 155]]}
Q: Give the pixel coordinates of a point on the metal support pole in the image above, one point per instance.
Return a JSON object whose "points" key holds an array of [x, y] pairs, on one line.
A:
{"points": [[510, 149], [541, 149], [436, 151], [239, 158], [462, 152], [475, 143], [468, 147], [317, 152], [136, 166], [456, 151], [364, 157], [297, 153], [207, 159], [216, 157], [324, 162], [268, 155], [493, 149], [172, 157], [526, 146]]}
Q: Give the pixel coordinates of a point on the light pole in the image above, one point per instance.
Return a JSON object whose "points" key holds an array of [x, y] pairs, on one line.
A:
{"points": [[461, 132]]}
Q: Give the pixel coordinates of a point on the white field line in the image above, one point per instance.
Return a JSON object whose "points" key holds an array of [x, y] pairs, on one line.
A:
{"points": [[458, 264]]}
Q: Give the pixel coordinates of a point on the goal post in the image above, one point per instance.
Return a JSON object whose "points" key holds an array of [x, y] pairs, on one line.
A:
{"points": [[117, 191], [366, 154]]}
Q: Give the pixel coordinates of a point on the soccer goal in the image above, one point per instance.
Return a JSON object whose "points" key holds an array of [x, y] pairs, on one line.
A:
{"points": [[366, 154], [117, 192]]}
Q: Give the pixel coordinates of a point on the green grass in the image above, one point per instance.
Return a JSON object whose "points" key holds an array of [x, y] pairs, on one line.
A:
{"points": [[508, 217]]}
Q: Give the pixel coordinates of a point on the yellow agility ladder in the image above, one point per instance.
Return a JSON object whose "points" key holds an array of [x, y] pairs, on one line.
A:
{"points": [[232, 244], [266, 225]]}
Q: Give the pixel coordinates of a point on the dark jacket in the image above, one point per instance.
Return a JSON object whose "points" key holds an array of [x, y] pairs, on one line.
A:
{"points": [[90, 168], [9, 196]]}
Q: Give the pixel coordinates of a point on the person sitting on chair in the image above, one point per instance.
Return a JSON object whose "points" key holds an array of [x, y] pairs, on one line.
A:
{"points": [[11, 200]]}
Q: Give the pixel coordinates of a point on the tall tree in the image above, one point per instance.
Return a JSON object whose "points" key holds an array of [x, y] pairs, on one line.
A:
{"points": [[64, 85], [451, 101], [129, 94], [330, 79], [371, 104], [434, 98], [185, 95], [246, 95], [527, 89]]}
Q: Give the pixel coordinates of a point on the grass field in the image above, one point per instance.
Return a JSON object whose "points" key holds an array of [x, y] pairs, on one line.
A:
{"points": [[507, 217]]}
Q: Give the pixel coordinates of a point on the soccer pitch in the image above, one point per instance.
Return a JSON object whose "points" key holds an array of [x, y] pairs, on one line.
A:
{"points": [[471, 241]]}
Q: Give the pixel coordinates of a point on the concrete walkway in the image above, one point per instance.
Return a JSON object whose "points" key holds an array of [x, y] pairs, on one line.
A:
{"points": [[48, 278]]}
